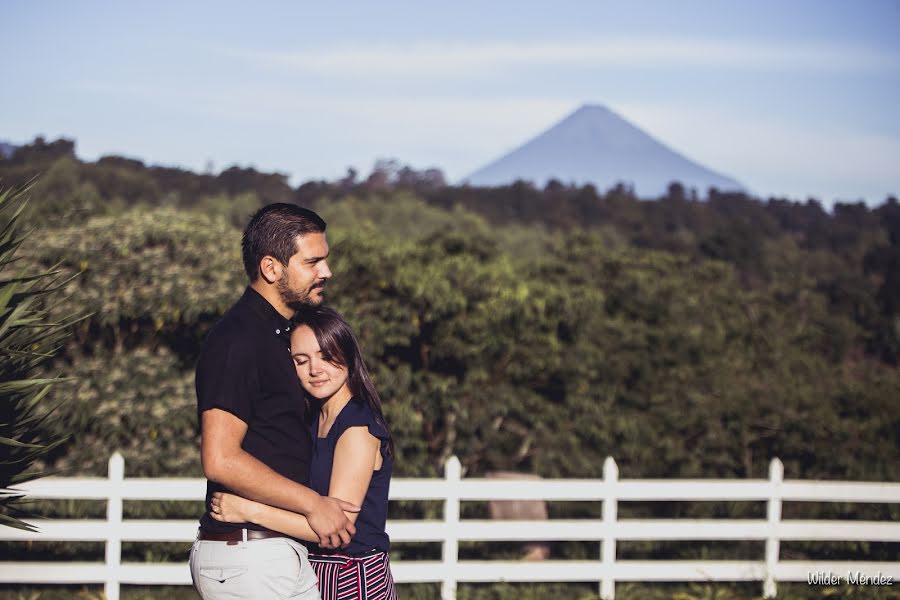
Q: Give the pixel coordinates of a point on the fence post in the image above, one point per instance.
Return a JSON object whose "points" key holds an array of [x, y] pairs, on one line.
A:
{"points": [[453, 474], [773, 546], [610, 515], [114, 526]]}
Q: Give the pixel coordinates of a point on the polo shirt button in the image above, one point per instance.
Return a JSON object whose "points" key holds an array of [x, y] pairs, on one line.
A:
{"points": [[277, 331]]}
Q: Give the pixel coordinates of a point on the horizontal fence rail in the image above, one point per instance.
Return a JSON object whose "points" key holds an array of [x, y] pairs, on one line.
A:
{"points": [[452, 490]]}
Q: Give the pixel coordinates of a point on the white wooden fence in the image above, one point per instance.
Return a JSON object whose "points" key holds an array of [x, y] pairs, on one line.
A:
{"points": [[605, 571]]}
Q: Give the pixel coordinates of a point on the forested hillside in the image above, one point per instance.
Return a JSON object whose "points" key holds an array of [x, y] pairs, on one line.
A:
{"points": [[541, 330], [683, 337]]}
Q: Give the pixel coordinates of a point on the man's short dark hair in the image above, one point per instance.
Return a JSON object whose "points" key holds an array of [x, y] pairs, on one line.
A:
{"points": [[273, 231]]}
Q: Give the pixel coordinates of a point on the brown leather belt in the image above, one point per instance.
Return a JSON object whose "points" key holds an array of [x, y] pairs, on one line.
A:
{"points": [[233, 537]]}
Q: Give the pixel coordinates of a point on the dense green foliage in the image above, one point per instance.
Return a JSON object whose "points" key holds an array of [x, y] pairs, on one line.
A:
{"points": [[665, 362], [516, 328], [852, 253]]}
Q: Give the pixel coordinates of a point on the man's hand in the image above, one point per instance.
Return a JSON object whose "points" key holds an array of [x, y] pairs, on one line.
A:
{"points": [[330, 523]]}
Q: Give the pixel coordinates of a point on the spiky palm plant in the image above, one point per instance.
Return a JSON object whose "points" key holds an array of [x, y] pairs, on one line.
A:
{"points": [[29, 336]]}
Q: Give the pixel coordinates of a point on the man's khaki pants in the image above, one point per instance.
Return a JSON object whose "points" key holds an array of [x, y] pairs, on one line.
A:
{"points": [[268, 568]]}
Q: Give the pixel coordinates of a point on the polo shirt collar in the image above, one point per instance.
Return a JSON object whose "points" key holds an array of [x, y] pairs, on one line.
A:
{"points": [[271, 318]]}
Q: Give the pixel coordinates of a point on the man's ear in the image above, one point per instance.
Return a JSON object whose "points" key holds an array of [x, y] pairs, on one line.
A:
{"points": [[271, 269]]}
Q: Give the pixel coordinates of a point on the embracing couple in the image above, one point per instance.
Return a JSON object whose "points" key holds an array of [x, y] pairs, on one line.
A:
{"points": [[295, 447]]}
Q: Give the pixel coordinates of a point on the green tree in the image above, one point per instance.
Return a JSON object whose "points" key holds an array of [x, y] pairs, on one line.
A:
{"points": [[149, 276], [139, 402]]}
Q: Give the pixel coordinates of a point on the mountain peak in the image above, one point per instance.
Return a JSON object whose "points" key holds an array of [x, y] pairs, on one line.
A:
{"points": [[591, 111], [591, 108], [595, 145]]}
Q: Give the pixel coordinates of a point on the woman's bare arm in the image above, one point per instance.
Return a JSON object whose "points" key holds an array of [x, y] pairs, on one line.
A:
{"points": [[235, 509], [355, 458]]}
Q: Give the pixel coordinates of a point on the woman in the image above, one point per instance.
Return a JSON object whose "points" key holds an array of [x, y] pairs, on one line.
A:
{"points": [[352, 460]]}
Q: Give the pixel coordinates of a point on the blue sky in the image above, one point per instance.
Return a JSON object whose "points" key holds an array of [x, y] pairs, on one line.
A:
{"points": [[793, 99]]}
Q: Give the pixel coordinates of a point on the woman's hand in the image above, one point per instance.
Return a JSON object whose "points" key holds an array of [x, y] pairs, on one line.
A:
{"points": [[232, 509]]}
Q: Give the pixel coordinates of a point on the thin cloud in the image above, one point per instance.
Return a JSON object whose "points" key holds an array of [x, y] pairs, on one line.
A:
{"points": [[438, 59]]}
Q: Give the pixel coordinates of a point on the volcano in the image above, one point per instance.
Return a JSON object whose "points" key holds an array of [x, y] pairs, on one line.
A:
{"points": [[595, 145]]}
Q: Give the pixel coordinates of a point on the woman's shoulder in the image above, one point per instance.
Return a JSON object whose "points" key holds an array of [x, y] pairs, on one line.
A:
{"points": [[358, 413]]}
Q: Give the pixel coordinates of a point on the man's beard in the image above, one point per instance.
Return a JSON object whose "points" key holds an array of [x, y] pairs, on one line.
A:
{"points": [[298, 300]]}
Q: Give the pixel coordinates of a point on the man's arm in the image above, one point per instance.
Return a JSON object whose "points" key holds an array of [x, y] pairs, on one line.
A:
{"points": [[355, 459], [225, 462]]}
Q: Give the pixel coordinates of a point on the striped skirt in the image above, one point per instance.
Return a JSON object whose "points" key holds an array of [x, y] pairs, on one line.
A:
{"points": [[354, 578]]}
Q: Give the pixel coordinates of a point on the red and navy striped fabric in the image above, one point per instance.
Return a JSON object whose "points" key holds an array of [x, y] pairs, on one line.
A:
{"points": [[354, 578]]}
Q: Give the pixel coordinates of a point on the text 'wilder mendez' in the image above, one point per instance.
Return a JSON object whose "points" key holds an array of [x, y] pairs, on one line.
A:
{"points": [[852, 578]]}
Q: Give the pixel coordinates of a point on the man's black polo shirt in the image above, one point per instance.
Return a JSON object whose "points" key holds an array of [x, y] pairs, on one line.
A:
{"points": [[245, 368]]}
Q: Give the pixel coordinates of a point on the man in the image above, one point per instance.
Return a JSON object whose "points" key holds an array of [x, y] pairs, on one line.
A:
{"points": [[255, 439]]}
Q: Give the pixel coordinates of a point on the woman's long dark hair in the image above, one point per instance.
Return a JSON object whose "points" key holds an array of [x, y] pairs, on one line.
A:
{"points": [[339, 347]]}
